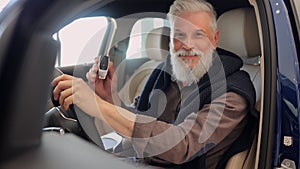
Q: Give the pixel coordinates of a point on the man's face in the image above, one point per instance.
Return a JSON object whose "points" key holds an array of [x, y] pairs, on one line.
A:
{"points": [[193, 31], [192, 44]]}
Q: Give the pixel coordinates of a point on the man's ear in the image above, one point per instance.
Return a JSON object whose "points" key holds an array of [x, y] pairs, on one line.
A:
{"points": [[216, 38]]}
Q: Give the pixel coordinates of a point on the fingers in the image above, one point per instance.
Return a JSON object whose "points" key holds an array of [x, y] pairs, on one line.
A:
{"points": [[61, 83], [96, 60], [66, 98], [92, 75], [61, 78], [111, 70], [63, 90], [67, 88]]}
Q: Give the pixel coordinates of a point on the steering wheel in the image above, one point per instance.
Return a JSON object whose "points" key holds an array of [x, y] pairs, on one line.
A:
{"points": [[73, 120]]}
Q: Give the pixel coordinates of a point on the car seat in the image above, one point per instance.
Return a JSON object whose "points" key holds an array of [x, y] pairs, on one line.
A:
{"points": [[157, 49], [239, 34]]}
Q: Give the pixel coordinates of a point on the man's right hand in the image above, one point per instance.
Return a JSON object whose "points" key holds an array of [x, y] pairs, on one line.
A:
{"points": [[103, 87]]}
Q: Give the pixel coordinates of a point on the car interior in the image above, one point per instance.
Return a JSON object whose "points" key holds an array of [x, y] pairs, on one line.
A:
{"points": [[240, 33]]}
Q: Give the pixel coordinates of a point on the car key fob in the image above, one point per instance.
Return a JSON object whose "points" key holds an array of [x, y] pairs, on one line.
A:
{"points": [[103, 66]]}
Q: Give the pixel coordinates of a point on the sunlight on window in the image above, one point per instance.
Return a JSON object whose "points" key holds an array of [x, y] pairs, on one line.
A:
{"points": [[80, 40], [3, 3]]}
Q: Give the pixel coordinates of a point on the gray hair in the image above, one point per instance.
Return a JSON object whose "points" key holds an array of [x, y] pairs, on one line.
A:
{"points": [[180, 6]]}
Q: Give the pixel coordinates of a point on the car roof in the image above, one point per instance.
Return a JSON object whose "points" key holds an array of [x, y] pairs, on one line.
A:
{"points": [[119, 8]]}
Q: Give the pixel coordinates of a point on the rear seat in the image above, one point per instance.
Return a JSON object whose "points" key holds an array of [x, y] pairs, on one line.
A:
{"points": [[157, 49], [239, 34]]}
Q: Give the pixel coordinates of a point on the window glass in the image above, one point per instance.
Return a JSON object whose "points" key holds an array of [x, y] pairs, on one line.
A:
{"points": [[80, 40], [136, 47]]}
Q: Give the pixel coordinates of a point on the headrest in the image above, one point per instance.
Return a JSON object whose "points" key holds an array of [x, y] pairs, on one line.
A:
{"points": [[157, 43], [239, 32]]}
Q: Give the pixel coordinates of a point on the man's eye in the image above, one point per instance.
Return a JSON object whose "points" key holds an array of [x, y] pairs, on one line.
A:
{"points": [[179, 35], [199, 35]]}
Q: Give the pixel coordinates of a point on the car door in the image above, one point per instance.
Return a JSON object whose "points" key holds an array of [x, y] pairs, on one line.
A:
{"points": [[285, 14], [279, 126]]}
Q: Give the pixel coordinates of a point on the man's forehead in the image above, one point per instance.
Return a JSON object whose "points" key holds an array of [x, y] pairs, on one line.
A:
{"points": [[196, 20], [192, 15], [183, 26]]}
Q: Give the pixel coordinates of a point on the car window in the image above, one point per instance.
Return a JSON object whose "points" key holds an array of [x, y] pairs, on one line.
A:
{"points": [[80, 40], [139, 33]]}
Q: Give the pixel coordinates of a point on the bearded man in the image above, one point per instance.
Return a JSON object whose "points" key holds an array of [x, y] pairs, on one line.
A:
{"points": [[193, 106]]}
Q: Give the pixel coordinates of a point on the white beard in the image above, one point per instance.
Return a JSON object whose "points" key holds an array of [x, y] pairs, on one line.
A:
{"points": [[181, 69]]}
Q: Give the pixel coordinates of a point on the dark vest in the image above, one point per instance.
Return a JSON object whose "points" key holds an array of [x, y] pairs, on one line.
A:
{"points": [[223, 76]]}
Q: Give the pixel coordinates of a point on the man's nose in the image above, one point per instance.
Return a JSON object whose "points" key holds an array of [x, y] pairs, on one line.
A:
{"points": [[188, 44]]}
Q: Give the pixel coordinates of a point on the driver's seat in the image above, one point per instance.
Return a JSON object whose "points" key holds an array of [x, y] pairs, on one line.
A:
{"points": [[239, 34]]}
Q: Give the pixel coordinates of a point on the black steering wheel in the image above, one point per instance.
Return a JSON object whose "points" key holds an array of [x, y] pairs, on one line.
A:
{"points": [[73, 120]]}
